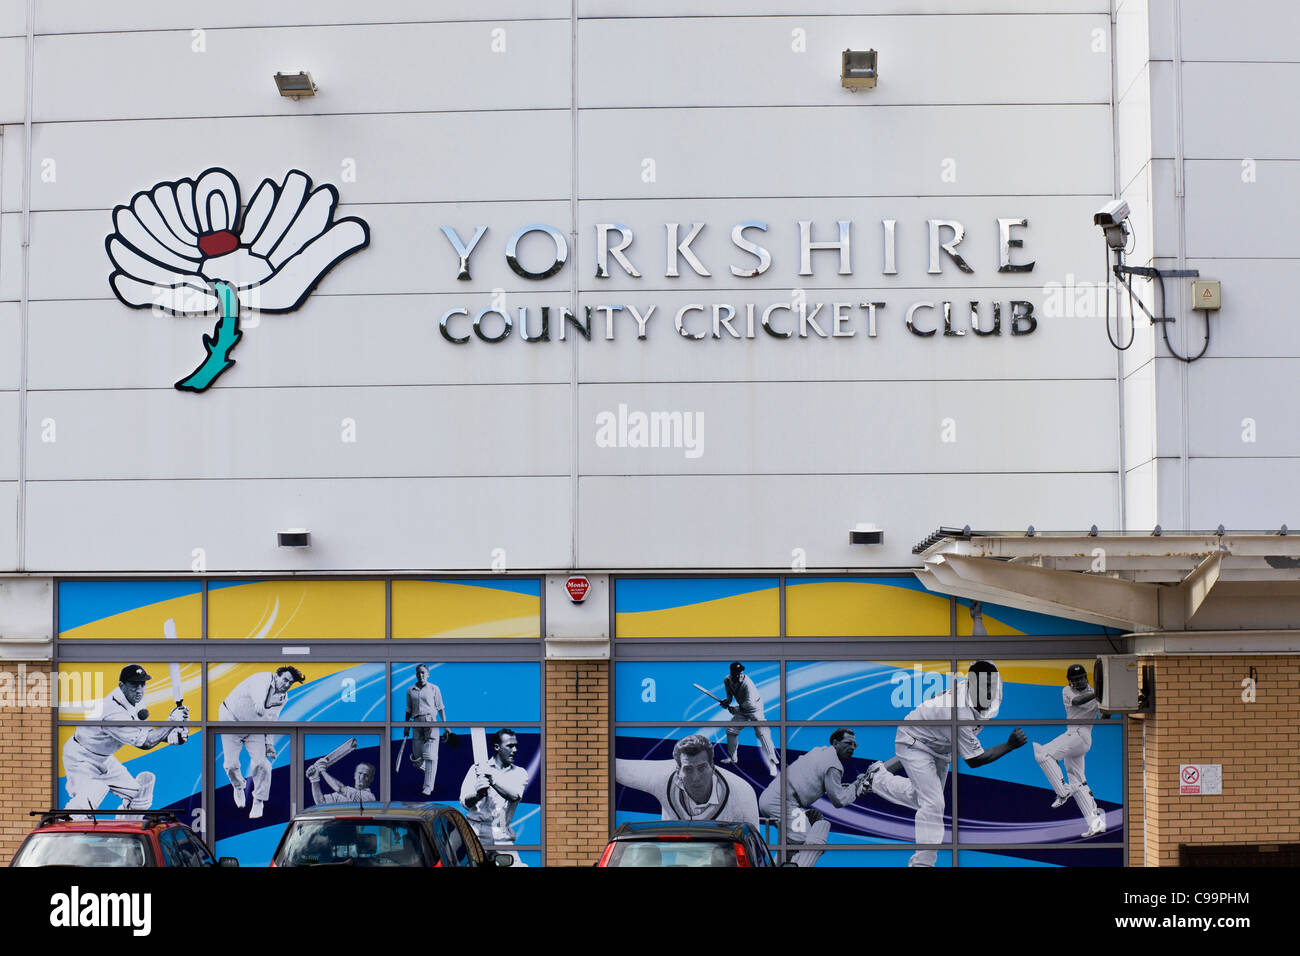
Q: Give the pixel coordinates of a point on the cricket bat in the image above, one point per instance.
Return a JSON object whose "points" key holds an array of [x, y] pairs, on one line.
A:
{"points": [[337, 754], [478, 738], [707, 694], [174, 668], [397, 764]]}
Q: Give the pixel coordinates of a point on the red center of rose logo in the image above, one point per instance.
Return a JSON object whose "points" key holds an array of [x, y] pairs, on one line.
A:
{"points": [[218, 243]]}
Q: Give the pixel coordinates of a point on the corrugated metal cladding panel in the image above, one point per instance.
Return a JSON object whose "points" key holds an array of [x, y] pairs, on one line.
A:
{"points": [[356, 524], [426, 67], [721, 521], [795, 60], [299, 433], [783, 8], [81, 16], [13, 79], [399, 158], [861, 428], [828, 151]]}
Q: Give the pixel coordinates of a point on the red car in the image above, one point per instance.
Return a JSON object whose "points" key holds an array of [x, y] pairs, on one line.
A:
{"points": [[677, 843], [157, 838]]}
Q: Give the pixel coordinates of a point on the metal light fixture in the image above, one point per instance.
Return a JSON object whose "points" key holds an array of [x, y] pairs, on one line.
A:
{"points": [[858, 70], [866, 534], [295, 85], [294, 538]]}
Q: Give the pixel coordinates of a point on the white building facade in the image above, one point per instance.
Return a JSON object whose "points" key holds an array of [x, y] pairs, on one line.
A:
{"points": [[642, 293]]}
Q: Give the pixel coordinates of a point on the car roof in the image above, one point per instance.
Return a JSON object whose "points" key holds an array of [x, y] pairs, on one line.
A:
{"points": [[103, 821], [683, 829], [394, 810], [117, 826]]}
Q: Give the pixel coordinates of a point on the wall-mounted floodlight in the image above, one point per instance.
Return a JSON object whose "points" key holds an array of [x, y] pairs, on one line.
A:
{"points": [[858, 70], [866, 534], [294, 538], [295, 85]]}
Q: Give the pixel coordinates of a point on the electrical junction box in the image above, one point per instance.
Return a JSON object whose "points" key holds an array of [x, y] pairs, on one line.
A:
{"points": [[1207, 295]]}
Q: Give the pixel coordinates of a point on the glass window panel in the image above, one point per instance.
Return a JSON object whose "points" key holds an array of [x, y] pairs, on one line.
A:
{"points": [[251, 779], [1011, 800], [296, 610], [112, 691], [327, 691], [866, 690], [697, 607], [694, 690], [130, 610], [99, 770], [861, 607], [467, 608], [701, 783], [977, 619], [500, 692], [844, 857], [862, 818], [1045, 856], [1038, 689], [454, 775], [340, 768]]}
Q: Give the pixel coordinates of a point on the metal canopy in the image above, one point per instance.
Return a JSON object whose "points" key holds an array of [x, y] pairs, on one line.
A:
{"points": [[1142, 583]]}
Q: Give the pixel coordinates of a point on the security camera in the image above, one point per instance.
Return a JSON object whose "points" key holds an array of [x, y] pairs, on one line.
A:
{"points": [[1113, 219], [1111, 214]]}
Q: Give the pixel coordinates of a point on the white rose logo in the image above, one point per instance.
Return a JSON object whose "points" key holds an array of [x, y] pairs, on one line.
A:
{"points": [[189, 248]]}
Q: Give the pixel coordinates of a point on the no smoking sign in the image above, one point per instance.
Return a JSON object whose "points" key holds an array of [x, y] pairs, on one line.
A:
{"points": [[1200, 779]]}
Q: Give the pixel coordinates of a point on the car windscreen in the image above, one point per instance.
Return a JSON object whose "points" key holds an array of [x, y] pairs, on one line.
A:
{"points": [[354, 843], [672, 853], [83, 849]]}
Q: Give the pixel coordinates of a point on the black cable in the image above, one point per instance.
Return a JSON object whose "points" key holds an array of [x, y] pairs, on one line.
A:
{"points": [[1165, 328], [1131, 331]]}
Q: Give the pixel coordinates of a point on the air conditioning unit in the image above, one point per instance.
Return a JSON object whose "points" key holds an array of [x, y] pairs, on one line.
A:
{"points": [[1117, 680]]}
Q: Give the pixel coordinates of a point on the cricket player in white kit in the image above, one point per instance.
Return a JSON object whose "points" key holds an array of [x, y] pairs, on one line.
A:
{"points": [[818, 773], [925, 751], [748, 707], [689, 787], [359, 792], [492, 790], [90, 765], [256, 698], [424, 702], [1080, 702]]}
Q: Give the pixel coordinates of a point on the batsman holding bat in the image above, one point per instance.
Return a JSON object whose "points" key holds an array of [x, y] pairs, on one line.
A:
{"points": [[493, 788], [748, 707], [424, 703], [89, 757], [362, 777]]}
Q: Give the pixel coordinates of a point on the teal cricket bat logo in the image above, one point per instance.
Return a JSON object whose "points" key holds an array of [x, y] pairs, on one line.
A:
{"points": [[189, 248]]}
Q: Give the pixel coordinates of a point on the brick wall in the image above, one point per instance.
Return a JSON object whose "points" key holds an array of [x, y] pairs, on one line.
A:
{"points": [[1136, 804], [577, 761], [1201, 718], [28, 757]]}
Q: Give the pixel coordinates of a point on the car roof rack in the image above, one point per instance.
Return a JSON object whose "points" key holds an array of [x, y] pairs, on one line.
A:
{"points": [[150, 817]]}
